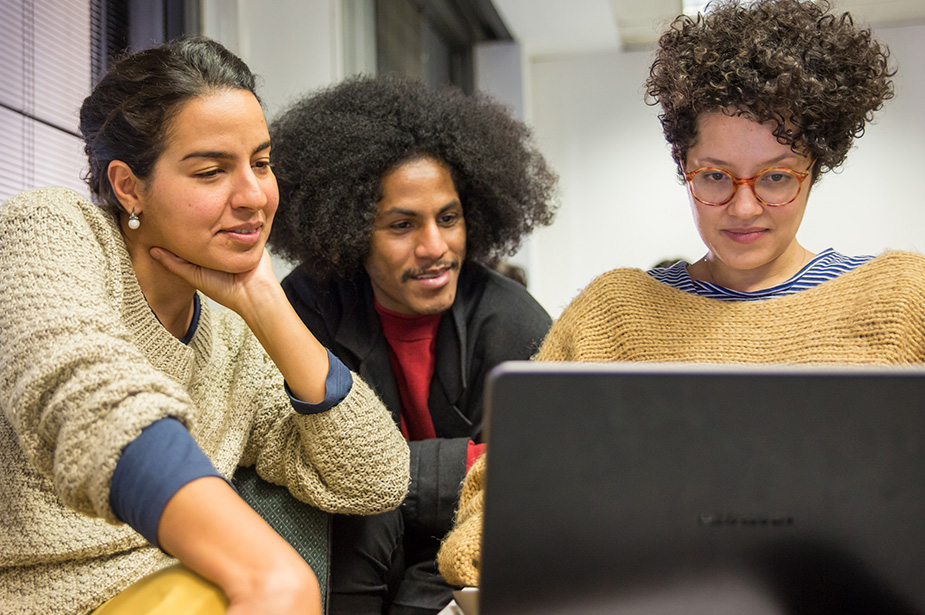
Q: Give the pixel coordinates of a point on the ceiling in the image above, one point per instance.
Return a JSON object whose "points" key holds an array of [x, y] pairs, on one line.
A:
{"points": [[559, 27]]}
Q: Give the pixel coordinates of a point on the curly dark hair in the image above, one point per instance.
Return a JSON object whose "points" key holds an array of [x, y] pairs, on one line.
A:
{"points": [[331, 149], [816, 75]]}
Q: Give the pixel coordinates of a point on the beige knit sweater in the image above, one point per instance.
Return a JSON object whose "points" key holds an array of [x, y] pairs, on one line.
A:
{"points": [[874, 314], [85, 365]]}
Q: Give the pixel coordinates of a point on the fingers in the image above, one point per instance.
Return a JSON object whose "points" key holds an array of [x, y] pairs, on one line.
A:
{"points": [[233, 290], [169, 260], [184, 269]]}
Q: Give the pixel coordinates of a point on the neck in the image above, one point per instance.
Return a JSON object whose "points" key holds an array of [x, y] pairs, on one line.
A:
{"points": [[711, 269], [168, 296]]}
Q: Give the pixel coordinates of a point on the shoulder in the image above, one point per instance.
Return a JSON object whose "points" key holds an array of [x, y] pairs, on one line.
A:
{"points": [[60, 225], [300, 287], [488, 288], [625, 285], [898, 259], [308, 290], [486, 293], [890, 265], [45, 209], [616, 297], [328, 306], [61, 201], [893, 271]]}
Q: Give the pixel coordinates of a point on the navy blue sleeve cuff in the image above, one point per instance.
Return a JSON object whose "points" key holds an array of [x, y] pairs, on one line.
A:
{"points": [[152, 468], [336, 387]]}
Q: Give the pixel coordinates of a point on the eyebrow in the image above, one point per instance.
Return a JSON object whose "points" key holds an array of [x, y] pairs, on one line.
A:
{"points": [[409, 212], [219, 155], [767, 163]]}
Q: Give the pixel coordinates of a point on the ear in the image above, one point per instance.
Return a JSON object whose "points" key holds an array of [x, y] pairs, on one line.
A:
{"points": [[127, 187]]}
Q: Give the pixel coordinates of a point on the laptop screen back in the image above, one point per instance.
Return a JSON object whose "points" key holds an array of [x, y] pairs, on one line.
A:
{"points": [[639, 488]]}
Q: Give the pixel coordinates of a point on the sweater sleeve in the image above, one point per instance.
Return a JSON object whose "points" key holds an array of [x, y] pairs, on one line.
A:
{"points": [[152, 468], [460, 555], [165, 457], [350, 459], [74, 387], [337, 385]]}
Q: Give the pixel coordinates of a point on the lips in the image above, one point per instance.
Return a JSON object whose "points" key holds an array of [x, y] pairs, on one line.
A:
{"points": [[432, 273], [247, 234], [747, 235], [435, 271], [244, 229], [432, 278], [433, 282]]}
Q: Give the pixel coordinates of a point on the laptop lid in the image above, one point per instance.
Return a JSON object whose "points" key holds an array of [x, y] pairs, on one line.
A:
{"points": [[652, 488]]}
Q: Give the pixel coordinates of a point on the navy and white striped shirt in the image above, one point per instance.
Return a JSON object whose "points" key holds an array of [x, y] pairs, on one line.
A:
{"points": [[825, 266]]}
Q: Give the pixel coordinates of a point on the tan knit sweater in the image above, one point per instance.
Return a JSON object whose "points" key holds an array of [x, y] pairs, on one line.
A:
{"points": [[874, 314], [85, 365]]}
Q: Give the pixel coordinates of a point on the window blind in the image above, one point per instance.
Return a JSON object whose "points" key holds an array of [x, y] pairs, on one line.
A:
{"points": [[45, 74]]}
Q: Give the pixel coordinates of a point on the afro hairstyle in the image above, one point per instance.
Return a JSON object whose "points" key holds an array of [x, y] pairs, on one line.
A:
{"points": [[332, 148]]}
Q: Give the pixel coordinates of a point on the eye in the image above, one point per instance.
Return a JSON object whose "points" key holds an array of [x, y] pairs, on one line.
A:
{"points": [[448, 219], [715, 176], [209, 174], [401, 225], [776, 177], [262, 166]]}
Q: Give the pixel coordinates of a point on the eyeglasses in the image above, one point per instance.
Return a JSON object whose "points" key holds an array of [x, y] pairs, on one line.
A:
{"points": [[773, 187]]}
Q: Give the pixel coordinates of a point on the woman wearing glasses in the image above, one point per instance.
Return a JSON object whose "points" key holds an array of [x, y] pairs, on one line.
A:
{"points": [[759, 100]]}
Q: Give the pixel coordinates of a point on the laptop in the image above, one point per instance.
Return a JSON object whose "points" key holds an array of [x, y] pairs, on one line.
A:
{"points": [[689, 489]]}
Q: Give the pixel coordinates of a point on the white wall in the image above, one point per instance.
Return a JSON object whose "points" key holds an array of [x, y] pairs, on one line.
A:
{"points": [[294, 46], [622, 205], [498, 73]]}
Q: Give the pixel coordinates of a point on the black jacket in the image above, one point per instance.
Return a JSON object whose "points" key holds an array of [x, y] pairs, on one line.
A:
{"points": [[493, 319]]}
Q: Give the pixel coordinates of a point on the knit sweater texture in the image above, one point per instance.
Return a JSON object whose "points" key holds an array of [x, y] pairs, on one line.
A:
{"points": [[874, 314], [85, 366]]}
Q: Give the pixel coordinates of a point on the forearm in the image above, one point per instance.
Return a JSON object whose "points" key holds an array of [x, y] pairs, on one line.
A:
{"points": [[351, 459], [259, 299], [298, 355], [216, 534]]}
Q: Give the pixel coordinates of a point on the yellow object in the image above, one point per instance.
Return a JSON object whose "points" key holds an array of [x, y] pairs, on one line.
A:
{"points": [[167, 592], [460, 555]]}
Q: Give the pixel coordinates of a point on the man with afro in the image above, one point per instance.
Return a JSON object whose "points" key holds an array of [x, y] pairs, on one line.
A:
{"points": [[393, 199]]}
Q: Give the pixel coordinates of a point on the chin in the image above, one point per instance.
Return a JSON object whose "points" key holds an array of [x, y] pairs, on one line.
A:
{"points": [[238, 265], [434, 307]]}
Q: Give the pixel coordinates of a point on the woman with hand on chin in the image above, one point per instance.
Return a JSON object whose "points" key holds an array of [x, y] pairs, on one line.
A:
{"points": [[126, 399], [759, 100]]}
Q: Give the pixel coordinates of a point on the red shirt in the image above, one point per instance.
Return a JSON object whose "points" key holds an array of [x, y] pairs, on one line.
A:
{"points": [[412, 344]]}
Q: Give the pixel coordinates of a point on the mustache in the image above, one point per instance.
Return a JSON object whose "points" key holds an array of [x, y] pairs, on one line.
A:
{"points": [[413, 273]]}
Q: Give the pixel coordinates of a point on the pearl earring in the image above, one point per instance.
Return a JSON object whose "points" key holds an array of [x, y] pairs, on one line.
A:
{"points": [[133, 221]]}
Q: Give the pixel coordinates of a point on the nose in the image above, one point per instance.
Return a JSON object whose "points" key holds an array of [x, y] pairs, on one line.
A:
{"points": [[249, 191], [431, 245], [744, 203]]}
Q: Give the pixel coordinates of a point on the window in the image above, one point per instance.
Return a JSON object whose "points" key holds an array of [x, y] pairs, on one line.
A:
{"points": [[433, 40], [44, 76], [53, 51]]}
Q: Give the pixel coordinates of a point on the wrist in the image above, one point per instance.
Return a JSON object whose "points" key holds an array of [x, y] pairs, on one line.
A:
{"points": [[259, 300]]}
